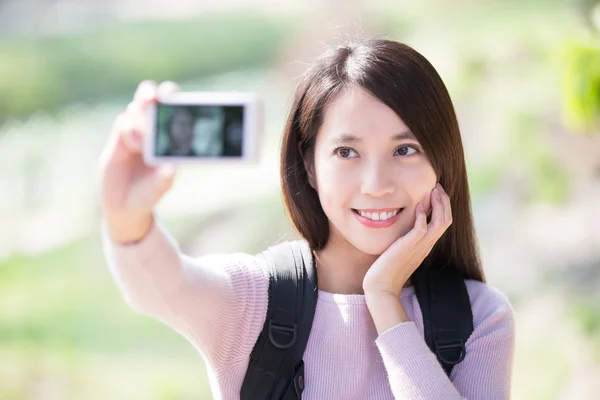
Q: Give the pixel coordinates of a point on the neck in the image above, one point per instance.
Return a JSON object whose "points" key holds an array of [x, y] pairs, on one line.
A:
{"points": [[341, 267]]}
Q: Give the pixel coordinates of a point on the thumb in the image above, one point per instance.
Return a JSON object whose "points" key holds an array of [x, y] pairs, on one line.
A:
{"points": [[163, 178]]}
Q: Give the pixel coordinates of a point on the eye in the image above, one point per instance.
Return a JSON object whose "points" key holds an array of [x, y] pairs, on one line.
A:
{"points": [[344, 152], [404, 150]]}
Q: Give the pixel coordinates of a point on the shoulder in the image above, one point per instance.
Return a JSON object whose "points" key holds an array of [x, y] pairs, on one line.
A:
{"points": [[491, 308], [488, 304], [234, 277], [241, 269], [234, 265]]}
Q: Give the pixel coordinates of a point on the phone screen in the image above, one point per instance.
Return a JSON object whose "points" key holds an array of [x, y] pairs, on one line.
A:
{"points": [[199, 130]]}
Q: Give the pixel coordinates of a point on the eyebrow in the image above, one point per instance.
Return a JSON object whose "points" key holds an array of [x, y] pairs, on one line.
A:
{"points": [[345, 137]]}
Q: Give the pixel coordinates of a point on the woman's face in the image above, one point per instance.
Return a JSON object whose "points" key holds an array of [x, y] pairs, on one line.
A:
{"points": [[367, 160], [182, 129]]}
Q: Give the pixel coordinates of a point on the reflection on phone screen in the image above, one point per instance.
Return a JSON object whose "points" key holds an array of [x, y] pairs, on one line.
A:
{"points": [[199, 130]]}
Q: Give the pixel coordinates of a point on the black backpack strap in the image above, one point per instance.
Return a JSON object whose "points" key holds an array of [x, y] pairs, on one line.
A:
{"points": [[276, 369], [447, 314]]}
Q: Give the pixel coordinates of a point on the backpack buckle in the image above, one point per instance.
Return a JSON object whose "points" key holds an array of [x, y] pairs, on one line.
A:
{"points": [[299, 379], [282, 332], [454, 351]]}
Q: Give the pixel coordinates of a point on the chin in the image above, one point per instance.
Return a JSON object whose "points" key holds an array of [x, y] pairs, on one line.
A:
{"points": [[375, 242], [370, 246]]}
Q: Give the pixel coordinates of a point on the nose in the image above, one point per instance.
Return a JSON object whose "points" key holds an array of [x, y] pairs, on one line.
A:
{"points": [[377, 180]]}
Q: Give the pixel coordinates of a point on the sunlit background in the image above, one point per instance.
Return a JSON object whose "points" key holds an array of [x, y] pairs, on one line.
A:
{"points": [[525, 79]]}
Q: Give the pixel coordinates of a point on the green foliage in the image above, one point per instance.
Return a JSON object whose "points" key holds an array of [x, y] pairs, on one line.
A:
{"points": [[546, 180], [49, 72], [529, 160], [65, 329], [484, 178], [581, 85], [63, 322], [587, 314]]}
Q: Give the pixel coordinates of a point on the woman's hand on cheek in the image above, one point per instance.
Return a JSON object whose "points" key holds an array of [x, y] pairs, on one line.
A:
{"points": [[393, 268]]}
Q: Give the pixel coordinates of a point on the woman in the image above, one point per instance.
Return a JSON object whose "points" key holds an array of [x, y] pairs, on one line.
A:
{"points": [[180, 132], [373, 176]]}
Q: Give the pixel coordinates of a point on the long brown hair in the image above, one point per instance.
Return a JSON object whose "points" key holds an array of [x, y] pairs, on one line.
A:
{"points": [[405, 81]]}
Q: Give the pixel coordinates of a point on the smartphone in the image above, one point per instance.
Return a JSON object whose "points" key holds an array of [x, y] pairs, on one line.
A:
{"points": [[204, 126]]}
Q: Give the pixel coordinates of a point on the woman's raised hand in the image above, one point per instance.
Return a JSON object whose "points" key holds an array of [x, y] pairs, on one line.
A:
{"points": [[128, 188]]}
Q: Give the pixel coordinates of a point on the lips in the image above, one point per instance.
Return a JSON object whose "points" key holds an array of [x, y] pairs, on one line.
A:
{"points": [[371, 223], [380, 214]]}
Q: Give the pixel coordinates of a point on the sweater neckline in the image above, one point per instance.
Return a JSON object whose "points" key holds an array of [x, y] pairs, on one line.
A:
{"points": [[338, 298]]}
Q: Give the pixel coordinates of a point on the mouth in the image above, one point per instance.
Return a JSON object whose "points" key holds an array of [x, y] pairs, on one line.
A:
{"points": [[383, 214]]}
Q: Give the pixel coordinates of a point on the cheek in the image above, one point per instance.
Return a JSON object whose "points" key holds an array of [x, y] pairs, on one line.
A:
{"points": [[335, 187], [418, 183]]}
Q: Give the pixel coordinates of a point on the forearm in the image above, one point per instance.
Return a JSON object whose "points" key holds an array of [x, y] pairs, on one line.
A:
{"points": [[413, 370], [146, 270], [212, 300]]}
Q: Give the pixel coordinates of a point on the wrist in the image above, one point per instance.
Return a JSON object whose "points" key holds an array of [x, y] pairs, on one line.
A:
{"points": [[384, 291], [386, 310], [125, 229], [387, 288], [384, 298]]}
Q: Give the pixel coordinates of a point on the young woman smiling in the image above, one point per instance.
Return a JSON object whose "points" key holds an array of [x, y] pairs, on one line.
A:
{"points": [[373, 177]]}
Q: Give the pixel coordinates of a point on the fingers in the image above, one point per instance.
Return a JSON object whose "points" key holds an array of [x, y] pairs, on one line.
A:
{"points": [[137, 122], [164, 177], [447, 206], [134, 125], [146, 91], [437, 213], [423, 237], [421, 220], [441, 216], [137, 111], [420, 228], [146, 94], [167, 87], [130, 133]]}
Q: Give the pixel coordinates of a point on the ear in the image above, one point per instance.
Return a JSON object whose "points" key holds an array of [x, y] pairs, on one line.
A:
{"points": [[309, 166]]}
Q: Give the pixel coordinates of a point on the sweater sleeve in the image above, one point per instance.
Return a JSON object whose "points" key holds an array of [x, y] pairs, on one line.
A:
{"points": [[485, 373], [212, 300]]}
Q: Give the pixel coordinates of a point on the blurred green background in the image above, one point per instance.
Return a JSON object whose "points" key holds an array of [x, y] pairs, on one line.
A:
{"points": [[525, 79]]}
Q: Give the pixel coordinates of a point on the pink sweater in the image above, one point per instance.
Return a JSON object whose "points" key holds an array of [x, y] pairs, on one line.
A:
{"points": [[219, 303]]}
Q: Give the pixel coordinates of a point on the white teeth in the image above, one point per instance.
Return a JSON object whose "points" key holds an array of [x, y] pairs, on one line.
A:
{"points": [[378, 217]]}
